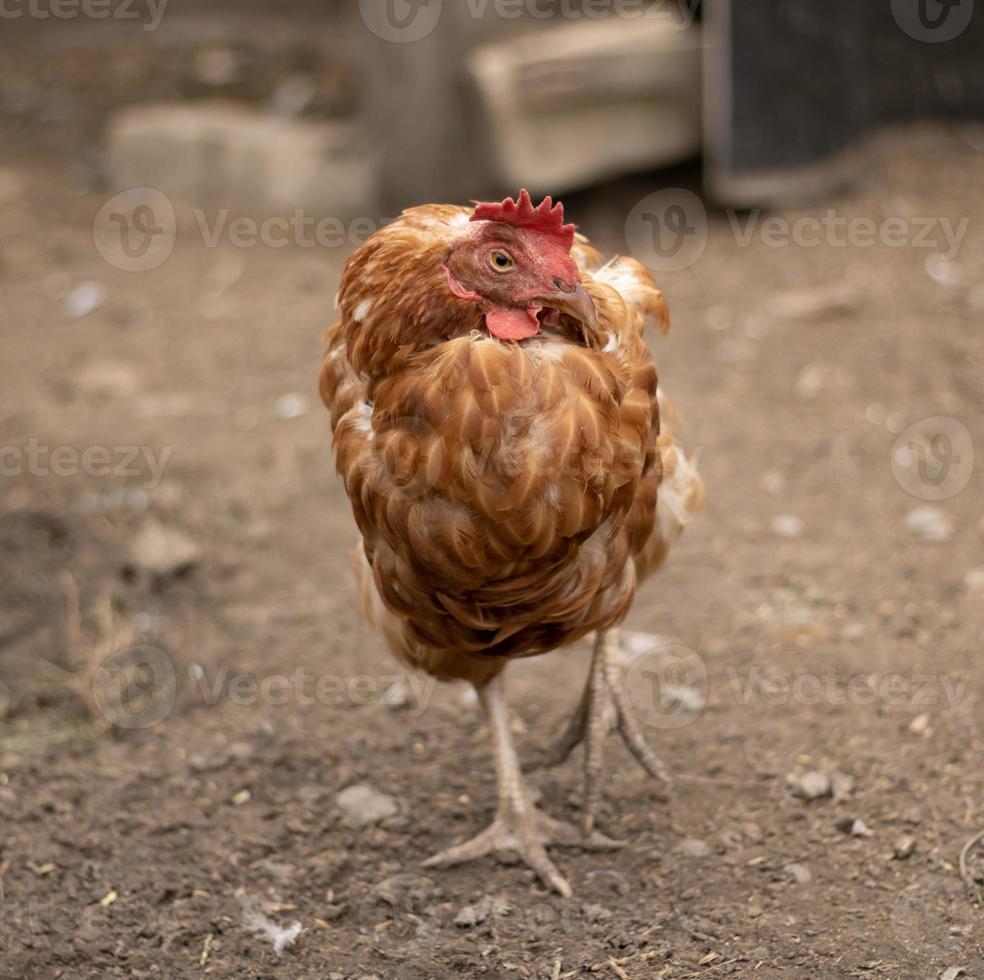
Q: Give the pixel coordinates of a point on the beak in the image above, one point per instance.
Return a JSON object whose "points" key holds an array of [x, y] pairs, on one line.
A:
{"points": [[575, 303]]}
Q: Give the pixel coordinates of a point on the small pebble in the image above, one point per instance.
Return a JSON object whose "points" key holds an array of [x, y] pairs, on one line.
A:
{"points": [[854, 826], [920, 724], [929, 523], [903, 847], [692, 847], [799, 872], [810, 785], [946, 272], [362, 804], [163, 551], [787, 526], [86, 298], [473, 915], [291, 406]]}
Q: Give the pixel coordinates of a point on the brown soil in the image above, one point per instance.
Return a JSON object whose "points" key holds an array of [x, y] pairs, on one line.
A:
{"points": [[140, 849]]}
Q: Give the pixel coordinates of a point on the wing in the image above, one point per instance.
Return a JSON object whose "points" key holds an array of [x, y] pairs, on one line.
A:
{"points": [[672, 492]]}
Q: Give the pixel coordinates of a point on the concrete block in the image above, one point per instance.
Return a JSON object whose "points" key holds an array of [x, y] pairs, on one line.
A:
{"points": [[216, 155]]}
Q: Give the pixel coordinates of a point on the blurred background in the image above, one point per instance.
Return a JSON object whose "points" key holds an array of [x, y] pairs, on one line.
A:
{"points": [[187, 689]]}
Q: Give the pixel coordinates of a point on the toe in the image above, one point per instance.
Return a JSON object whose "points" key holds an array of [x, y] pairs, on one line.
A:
{"points": [[567, 835]]}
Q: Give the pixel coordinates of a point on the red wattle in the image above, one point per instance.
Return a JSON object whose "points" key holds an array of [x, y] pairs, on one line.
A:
{"points": [[513, 323]]}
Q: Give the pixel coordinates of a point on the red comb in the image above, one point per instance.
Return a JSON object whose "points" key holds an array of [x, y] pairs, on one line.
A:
{"points": [[546, 218]]}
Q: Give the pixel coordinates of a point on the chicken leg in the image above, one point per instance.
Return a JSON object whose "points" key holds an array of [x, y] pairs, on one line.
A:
{"points": [[518, 825], [603, 707]]}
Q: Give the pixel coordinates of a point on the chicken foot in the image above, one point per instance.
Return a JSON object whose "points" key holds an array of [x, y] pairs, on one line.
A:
{"points": [[603, 707], [519, 826]]}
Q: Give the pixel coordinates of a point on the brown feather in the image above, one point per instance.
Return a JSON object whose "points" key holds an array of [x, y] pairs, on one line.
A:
{"points": [[509, 495]]}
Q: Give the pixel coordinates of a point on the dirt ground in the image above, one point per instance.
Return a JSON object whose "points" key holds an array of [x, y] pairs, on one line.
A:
{"points": [[816, 637]]}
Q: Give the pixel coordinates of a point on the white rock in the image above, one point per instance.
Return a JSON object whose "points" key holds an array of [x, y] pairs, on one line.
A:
{"points": [[929, 523], [362, 804], [86, 298], [292, 405], [946, 272], [787, 526], [920, 724], [810, 785], [162, 551], [693, 847], [799, 872]]}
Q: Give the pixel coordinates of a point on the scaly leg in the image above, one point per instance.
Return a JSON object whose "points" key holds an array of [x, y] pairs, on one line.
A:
{"points": [[518, 826], [603, 706]]}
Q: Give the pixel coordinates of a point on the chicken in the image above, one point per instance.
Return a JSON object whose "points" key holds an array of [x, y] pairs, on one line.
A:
{"points": [[497, 426]]}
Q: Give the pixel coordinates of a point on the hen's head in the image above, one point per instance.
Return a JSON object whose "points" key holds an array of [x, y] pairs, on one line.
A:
{"points": [[516, 265]]}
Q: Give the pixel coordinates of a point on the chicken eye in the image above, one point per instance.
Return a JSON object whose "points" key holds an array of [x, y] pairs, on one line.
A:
{"points": [[500, 261]]}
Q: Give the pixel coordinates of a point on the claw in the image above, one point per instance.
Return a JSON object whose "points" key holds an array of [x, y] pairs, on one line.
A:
{"points": [[519, 826], [603, 706], [525, 833]]}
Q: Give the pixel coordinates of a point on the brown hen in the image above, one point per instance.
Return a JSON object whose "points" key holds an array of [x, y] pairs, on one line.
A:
{"points": [[496, 423]]}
